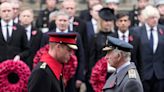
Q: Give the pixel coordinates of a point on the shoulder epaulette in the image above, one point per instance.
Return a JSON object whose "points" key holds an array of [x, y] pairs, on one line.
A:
{"points": [[132, 73], [43, 66]]}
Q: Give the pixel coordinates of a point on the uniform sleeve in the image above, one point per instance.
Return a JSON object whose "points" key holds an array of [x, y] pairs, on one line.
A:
{"points": [[39, 82], [133, 86]]}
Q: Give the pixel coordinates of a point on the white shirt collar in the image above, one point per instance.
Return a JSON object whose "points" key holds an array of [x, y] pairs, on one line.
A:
{"points": [[148, 27], [3, 23], [16, 20], [58, 30], [126, 34], [121, 33], [28, 28], [94, 22], [123, 66]]}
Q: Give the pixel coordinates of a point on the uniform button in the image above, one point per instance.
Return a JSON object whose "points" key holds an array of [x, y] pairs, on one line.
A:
{"points": [[44, 18], [45, 12], [136, 12]]}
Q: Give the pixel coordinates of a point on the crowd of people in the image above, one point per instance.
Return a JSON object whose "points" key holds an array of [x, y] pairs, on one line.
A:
{"points": [[111, 51]]}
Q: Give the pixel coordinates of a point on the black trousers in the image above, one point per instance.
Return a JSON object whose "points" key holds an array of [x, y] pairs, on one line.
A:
{"points": [[153, 85]]}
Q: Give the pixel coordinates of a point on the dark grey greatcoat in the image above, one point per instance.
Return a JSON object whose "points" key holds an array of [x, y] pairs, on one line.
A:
{"points": [[126, 80]]}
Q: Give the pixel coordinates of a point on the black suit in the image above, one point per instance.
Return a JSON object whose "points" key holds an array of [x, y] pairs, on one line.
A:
{"points": [[150, 65], [82, 30], [34, 44], [90, 38], [43, 80], [16, 45]]}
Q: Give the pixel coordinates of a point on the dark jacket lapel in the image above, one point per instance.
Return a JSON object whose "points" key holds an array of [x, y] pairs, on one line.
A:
{"points": [[75, 24], [1, 34], [160, 36]]}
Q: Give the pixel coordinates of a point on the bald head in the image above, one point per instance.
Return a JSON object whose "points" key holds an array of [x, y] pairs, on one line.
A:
{"points": [[6, 11]]}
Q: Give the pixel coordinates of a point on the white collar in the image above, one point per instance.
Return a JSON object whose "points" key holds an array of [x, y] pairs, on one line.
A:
{"points": [[58, 30], [28, 28], [3, 23], [121, 33], [148, 27], [123, 66], [94, 22]]}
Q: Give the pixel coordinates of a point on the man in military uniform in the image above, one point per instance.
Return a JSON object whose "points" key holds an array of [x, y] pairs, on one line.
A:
{"points": [[135, 12], [42, 21], [47, 75], [126, 77]]}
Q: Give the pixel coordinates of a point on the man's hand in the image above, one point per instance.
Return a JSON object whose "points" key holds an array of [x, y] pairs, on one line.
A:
{"points": [[16, 58], [78, 83]]}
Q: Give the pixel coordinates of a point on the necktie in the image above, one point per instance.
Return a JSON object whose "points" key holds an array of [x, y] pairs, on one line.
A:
{"points": [[151, 41], [123, 37], [7, 32]]}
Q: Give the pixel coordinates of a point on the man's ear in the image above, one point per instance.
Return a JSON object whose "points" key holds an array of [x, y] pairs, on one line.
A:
{"points": [[58, 45], [117, 23], [119, 55]]}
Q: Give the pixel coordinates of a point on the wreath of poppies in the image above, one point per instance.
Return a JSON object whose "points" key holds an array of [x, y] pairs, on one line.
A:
{"points": [[98, 75], [69, 68], [14, 76]]}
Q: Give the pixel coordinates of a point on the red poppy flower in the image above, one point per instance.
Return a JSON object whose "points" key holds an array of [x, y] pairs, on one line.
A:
{"points": [[14, 28], [34, 32], [161, 31], [76, 23], [130, 38]]}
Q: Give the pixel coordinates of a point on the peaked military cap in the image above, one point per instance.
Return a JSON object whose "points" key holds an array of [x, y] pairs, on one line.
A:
{"points": [[120, 44], [64, 38], [107, 14]]}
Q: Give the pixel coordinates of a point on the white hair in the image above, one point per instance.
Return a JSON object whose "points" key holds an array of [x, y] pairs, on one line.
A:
{"points": [[150, 11], [52, 15], [59, 13], [126, 55]]}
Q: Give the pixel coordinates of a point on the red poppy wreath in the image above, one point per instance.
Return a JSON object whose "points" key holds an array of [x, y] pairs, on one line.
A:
{"points": [[14, 76]]}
